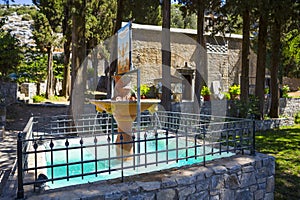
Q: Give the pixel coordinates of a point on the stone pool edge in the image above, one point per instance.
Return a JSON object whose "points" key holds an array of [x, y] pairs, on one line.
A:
{"points": [[236, 177]]}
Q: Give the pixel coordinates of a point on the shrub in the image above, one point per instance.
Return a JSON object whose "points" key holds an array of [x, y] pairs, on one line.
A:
{"points": [[226, 95], [26, 17], [297, 118], [205, 91], [38, 98], [235, 89], [285, 90], [267, 90], [143, 88], [242, 109]]}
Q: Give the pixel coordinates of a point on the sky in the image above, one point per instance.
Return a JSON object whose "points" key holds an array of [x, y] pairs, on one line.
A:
{"points": [[22, 2]]}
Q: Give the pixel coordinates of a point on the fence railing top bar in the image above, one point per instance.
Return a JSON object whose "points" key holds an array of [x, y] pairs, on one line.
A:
{"points": [[66, 116], [203, 115]]}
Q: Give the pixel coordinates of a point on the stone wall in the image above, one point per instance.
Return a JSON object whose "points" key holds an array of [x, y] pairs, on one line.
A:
{"points": [[8, 95], [222, 67], [288, 107], [8, 92], [238, 177], [293, 83]]}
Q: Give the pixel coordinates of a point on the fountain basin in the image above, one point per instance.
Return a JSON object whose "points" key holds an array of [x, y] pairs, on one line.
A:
{"points": [[124, 113]]}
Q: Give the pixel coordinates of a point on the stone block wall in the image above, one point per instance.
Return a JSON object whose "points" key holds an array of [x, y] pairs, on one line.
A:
{"points": [[289, 106], [238, 177], [222, 67], [8, 92]]}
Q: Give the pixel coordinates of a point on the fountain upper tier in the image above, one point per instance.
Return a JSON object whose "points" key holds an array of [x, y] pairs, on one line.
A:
{"points": [[125, 112]]}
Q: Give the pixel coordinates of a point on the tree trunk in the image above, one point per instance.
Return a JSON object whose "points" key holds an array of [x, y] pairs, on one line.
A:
{"points": [[166, 56], [95, 62], [66, 89], [50, 77], [276, 28], [119, 16], [38, 88], [201, 61], [114, 45], [245, 56], [261, 63], [78, 55]]}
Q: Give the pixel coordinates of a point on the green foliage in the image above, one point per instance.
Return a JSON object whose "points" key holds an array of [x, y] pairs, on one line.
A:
{"points": [[19, 10], [249, 109], [33, 68], [43, 33], [26, 10], [100, 16], [205, 91], [285, 90], [235, 90], [39, 98], [297, 118], [178, 21], [58, 66], [267, 90], [10, 52], [291, 53], [26, 17], [53, 11], [145, 89], [226, 95], [143, 12]]}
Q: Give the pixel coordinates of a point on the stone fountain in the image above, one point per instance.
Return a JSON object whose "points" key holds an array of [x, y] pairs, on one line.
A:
{"points": [[125, 110]]}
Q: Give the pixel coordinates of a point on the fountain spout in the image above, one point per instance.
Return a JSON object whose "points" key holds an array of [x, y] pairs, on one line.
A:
{"points": [[124, 111]]}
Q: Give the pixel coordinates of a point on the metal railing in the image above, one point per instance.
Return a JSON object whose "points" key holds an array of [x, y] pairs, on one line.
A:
{"points": [[192, 137]]}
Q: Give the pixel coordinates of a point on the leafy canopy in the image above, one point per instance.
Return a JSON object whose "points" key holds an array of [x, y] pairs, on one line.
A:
{"points": [[10, 52]]}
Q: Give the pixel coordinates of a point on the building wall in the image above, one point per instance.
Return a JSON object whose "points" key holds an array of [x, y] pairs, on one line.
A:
{"points": [[222, 67], [8, 92]]}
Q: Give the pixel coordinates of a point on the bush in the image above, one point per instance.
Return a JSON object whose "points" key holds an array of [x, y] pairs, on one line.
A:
{"points": [[144, 89], [26, 17], [267, 90], [285, 90], [297, 118], [242, 109], [38, 98], [226, 95], [205, 91], [235, 90]]}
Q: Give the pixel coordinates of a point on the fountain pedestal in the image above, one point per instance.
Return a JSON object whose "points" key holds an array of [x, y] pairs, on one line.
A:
{"points": [[124, 113]]}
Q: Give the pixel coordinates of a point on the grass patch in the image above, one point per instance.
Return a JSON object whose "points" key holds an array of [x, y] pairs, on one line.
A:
{"points": [[58, 98], [284, 145]]}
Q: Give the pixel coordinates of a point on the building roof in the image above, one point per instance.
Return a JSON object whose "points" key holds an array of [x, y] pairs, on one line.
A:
{"points": [[179, 30]]}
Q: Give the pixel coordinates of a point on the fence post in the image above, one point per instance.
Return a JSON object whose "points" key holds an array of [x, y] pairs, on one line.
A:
{"points": [[253, 139], [20, 193]]}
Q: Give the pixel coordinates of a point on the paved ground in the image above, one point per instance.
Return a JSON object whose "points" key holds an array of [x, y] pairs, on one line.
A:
{"points": [[16, 119]]}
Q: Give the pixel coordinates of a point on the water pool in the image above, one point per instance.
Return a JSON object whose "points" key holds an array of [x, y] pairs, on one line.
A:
{"points": [[150, 161]]}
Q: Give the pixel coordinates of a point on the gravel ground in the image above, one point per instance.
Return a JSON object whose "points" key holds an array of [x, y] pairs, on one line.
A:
{"points": [[17, 115]]}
